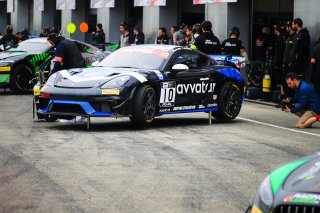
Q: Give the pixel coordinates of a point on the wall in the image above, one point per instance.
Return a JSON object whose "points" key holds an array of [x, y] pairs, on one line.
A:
{"points": [[239, 16], [3, 17], [309, 13]]}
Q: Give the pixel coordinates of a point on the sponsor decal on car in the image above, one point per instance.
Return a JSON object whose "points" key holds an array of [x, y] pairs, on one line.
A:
{"points": [[110, 92], [303, 198], [199, 88], [184, 108], [5, 69], [168, 94]]}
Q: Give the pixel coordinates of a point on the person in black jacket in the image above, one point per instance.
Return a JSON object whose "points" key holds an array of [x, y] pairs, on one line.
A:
{"points": [[138, 35], [9, 39], [301, 49], [233, 45], [67, 54], [315, 66], [279, 47], [288, 58], [162, 38], [207, 42], [263, 45], [99, 36]]}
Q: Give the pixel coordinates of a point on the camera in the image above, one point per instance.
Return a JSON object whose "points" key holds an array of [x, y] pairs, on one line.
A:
{"points": [[290, 105]]}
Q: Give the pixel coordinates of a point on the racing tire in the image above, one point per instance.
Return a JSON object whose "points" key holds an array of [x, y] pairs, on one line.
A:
{"points": [[144, 106], [51, 118], [229, 102], [20, 79]]}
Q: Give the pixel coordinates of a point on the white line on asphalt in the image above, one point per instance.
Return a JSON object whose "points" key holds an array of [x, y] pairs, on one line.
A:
{"points": [[279, 127]]}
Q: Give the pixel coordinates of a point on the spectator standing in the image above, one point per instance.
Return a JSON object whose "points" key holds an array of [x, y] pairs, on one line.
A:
{"points": [[301, 49], [233, 45], [189, 36], [196, 30], [315, 66], [126, 38], [99, 36], [263, 45], [162, 38], [9, 39], [179, 36], [306, 100], [279, 47], [288, 59], [173, 30], [207, 42], [139, 36]]}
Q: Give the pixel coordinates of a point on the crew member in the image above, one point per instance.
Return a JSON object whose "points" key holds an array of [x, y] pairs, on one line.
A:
{"points": [[279, 47], [99, 36], [315, 66], [207, 42], [263, 45], [126, 38], [233, 45], [9, 39], [67, 54], [301, 49], [162, 38]]}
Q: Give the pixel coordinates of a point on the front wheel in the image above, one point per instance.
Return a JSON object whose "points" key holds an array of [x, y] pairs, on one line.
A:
{"points": [[144, 106], [229, 102], [20, 79]]}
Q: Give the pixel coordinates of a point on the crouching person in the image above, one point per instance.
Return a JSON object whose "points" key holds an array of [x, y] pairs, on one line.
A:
{"points": [[305, 103]]}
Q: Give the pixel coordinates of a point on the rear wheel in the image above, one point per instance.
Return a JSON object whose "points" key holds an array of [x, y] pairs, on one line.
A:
{"points": [[20, 79], [229, 102], [144, 106]]}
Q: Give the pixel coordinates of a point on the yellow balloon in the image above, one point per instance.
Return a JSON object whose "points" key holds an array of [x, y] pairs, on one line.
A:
{"points": [[71, 28]]}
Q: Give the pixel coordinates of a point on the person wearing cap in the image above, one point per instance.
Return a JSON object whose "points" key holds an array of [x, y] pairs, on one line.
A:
{"points": [[207, 42], [9, 39], [279, 46], [301, 49], [233, 45], [179, 36], [67, 54]]}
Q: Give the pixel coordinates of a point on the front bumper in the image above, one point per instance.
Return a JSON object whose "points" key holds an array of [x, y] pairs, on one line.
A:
{"points": [[93, 107]]}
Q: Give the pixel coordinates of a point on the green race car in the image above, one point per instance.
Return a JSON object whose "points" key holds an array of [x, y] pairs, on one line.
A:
{"points": [[21, 64], [292, 188]]}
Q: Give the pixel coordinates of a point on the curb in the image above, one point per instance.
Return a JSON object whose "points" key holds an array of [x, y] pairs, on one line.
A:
{"points": [[259, 101]]}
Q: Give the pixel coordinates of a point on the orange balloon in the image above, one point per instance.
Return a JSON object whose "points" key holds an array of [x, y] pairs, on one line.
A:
{"points": [[84, 27]]}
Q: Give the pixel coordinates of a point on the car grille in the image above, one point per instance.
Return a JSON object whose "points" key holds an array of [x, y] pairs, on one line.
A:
{"points": [[297, 209], [101, 106], [67, 108]]}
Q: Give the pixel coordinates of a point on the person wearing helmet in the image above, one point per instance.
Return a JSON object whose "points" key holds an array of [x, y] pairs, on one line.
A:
{"points": [[9, 39], [67, 54], [233, 45]]}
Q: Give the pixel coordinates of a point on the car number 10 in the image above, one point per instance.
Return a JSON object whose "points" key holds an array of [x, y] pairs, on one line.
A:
{"points": [[168, 94]]}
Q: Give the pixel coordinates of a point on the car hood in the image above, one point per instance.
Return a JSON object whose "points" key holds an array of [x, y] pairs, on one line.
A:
{"points": [[306, 178], [91, 77], [11, 55]]}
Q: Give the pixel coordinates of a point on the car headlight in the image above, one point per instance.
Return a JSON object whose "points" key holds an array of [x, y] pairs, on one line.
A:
{"points": [[116, 82], [264, 199], [51, 79]]}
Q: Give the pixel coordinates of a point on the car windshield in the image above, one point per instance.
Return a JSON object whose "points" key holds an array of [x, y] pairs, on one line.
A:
{"points": [[135, 58], [32, 47]]}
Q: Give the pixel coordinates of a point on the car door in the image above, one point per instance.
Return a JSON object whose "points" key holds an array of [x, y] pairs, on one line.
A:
{"points": [[184, 90]]}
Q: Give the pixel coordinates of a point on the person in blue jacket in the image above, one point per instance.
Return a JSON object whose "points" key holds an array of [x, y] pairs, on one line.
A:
{"points": [[306, 102]]}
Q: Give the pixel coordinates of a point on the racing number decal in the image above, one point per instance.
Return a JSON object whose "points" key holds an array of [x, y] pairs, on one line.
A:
{"points": [[168, 94]]}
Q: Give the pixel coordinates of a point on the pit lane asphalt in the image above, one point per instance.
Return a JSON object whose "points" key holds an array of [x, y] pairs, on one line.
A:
{"points": [[181, 164]]}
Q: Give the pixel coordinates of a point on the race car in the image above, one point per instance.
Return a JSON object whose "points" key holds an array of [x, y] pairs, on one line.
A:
{"points": [[21, 64], [294, 187], [145, 81]]}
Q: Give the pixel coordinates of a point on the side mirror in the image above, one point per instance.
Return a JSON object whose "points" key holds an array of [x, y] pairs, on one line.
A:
{"points": [[94, 64], [180, 67]]}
